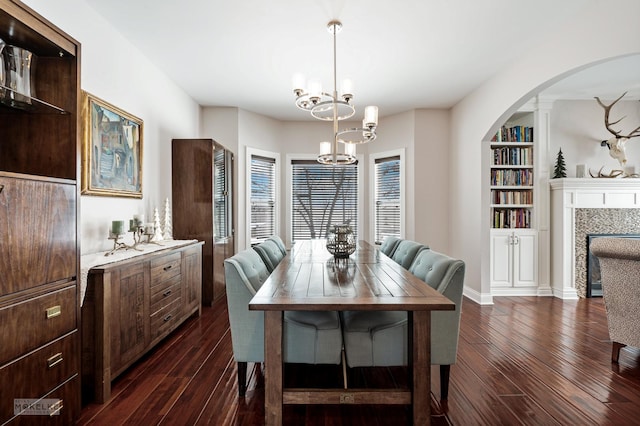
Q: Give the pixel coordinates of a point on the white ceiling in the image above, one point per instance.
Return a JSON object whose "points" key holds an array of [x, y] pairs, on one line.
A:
{"points": [[401, 54]]}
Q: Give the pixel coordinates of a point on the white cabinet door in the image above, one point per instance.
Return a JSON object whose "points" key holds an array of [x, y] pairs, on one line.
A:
{"points": [[525, 261], [501, 259], [514, 260]]}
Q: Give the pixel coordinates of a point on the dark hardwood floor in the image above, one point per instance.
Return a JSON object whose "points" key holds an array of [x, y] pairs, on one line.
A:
{"points": [[524, 360]]}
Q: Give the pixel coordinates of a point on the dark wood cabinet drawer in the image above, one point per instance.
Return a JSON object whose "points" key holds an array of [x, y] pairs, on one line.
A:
{"points": [[37, 373], [62, 405], [164, 268], [164, 320], [163, 295], [32, 323]]}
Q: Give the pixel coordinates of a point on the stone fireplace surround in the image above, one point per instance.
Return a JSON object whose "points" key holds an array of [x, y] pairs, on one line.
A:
{"points": [[587, 206]]}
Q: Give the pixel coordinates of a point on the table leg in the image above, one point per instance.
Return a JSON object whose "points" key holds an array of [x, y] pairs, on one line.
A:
{"points": [[421, 368], [273, 367]]}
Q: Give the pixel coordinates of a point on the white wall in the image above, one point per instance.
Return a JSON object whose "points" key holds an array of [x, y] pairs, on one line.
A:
{"points": [[113, 70], [580, 42], [432, 162], [577, 127]]}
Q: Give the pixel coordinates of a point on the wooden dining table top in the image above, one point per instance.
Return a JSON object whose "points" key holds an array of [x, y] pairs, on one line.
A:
{"points": [[310, 278]]}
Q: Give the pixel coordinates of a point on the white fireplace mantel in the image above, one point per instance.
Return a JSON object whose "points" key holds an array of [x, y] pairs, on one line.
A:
{"points": [[570, 194]]}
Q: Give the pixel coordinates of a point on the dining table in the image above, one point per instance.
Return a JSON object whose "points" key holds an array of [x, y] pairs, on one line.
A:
{"points": [[309, 278]]}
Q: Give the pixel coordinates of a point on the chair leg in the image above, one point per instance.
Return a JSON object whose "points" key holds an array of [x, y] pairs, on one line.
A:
{"points": [[615, 351], [444, 382], [242, 378]]}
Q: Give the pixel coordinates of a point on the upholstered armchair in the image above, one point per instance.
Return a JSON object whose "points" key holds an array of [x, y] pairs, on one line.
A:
{"points": [[309, 337], [380, 338], [406, 251], [619, 260], [270, 253], [389, 245]]}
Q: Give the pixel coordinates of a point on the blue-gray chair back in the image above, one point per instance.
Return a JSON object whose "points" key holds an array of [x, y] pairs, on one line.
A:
{"points": [[389, 245], [270, 253], [279, 242], [406, 251]]}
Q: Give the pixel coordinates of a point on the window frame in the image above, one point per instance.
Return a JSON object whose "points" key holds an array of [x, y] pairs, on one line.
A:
{"points": [[289, 179], [372, 190], [276, 157]]}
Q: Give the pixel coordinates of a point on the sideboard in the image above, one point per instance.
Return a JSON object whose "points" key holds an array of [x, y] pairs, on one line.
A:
{"points": [[132, 304]]}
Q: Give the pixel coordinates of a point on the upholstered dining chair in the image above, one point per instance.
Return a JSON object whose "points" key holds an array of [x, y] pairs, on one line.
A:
{"points": [[373, 339], [309, 337], [619, 260], [389, 245], [406, 251], [276, 239], [270, 253]]}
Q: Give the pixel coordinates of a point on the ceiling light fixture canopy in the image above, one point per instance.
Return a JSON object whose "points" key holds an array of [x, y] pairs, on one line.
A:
{"points": [[331, 107]]}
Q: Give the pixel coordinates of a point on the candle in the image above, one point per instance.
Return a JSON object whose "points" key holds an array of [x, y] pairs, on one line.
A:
{"points": [[132, 226], [138, 220], [148, 229], [117, 227]]}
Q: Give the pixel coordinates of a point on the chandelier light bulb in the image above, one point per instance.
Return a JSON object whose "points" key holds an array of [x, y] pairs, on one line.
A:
{"points": [[350, 149], [315, 90], [325, 148], [370, 116], [347, 89], [298, 82]]}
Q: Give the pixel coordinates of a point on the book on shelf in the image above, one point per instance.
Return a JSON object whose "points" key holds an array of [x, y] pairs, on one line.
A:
{"points": [[512, 177], [511, 218], [514, 134], [512, 156]]}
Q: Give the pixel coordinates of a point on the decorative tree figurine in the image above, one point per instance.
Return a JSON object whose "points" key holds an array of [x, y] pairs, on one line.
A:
{"points": [[560, 170], [157, 235], [167, 233]]}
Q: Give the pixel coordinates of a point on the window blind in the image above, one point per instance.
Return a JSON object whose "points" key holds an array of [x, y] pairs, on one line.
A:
{"points": [[263, 198], [322, 196], [220, 194], [387, 198]]}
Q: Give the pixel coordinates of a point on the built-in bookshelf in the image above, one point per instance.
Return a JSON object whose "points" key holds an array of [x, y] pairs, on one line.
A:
{"points": [[512, 179]]}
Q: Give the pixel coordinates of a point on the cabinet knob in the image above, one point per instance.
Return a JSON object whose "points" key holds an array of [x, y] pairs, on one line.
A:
{"points": [[166, 293], [167, 318]]}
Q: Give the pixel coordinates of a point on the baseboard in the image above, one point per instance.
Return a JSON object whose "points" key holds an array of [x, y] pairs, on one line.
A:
{"points": [[479, 298]]}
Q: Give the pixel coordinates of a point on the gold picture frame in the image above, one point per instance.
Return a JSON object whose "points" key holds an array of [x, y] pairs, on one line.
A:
{"points": [[111, 150]]}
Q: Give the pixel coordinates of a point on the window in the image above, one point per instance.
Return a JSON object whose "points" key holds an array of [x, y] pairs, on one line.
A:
{"points": [[387, 202], [322, 196], [263, 198], [221, 193]]}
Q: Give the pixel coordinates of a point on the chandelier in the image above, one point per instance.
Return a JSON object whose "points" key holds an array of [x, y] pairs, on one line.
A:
{"points": [[329, 107]]}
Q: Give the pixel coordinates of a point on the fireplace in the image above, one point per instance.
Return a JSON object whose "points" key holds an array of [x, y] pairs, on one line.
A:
{"points": [[594, 283]]}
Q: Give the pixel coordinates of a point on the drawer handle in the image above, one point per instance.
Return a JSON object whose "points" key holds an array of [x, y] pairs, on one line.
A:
{"points": [[166, 293], [1, 188], [54, 311], [54, 360], [54, 409], [168, 317], [166, 268]]}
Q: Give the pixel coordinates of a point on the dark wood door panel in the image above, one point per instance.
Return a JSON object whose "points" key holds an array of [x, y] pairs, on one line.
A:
{"points": [[37, 233]]}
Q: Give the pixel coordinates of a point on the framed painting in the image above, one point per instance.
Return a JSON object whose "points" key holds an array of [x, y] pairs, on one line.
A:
{"points": [[111, 150]]}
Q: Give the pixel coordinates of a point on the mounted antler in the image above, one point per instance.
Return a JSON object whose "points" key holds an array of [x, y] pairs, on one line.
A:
{"points": [[617, 143]]}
